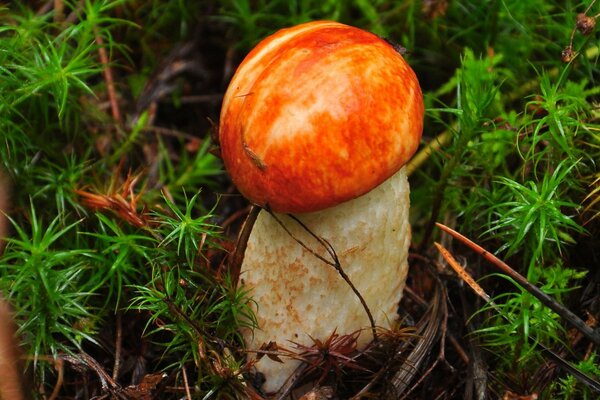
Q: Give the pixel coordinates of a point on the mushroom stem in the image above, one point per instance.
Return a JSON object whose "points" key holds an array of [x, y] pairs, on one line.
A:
{"points": [[335, 263], [300, 298]]}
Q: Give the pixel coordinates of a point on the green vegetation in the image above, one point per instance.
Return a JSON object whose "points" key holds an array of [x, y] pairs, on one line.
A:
{"points": [[122, 218]]}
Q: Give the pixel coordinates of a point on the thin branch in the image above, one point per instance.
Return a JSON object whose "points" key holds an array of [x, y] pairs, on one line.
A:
{"points": [[188, 394], [108, 77], [462, 354], [118, 347], [60, 369], [59, 11], [548, 301], [107, 383], [556, 358], [235, 265], [205, 98], [441, 140], [46, 7]]}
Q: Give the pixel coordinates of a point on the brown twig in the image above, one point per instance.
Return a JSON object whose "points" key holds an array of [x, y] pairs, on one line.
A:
{"points": [[204, 98], [235, 264], [330, 355], [534, 290], [59, 11], [108, 77], [556, 358], [107, 383], [235, 216], [460, 271], [423, 155], [47, 6], [188, 394], [118, 347], [60, 369], [462, 354]]}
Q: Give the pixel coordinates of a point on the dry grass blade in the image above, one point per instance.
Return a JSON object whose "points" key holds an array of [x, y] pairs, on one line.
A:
{"points": [[108, 77], [188, 394], [427, 331], [534, 290], [462, 273], [594, 198], [591, 383], [109, 386], [443, 139]]}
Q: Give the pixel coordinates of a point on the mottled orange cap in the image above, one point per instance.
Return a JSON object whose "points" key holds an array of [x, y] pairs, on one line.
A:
{"points": [[319, 114]]}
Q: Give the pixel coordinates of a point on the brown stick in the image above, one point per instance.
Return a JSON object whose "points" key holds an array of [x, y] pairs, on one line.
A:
{"points": [[534, 290], [118, 347], [441, 140], [108, 77], [237, 257], [59, 11], [188, 394], [551, 354], [59, 365]]}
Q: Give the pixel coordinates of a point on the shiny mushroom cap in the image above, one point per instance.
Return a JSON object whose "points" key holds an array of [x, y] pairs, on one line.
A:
{"points": [[319, 114]]}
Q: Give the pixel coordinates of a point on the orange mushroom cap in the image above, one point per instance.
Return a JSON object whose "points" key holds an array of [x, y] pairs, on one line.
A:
{"points": [[319, 114]]}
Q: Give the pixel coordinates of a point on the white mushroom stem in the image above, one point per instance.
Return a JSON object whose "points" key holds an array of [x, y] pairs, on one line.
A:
{"points": [[298, 295]]}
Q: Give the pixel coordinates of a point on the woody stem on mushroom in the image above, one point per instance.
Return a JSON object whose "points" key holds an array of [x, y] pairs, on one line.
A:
{"points": [[316, 125]]}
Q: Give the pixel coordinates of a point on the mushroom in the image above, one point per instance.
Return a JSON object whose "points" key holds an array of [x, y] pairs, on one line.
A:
{"points": [[316, 126]]}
